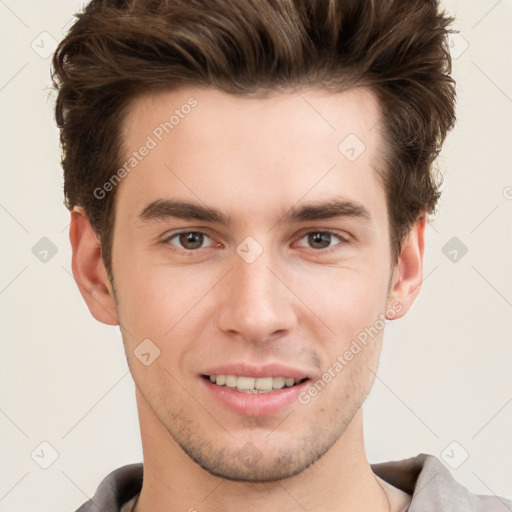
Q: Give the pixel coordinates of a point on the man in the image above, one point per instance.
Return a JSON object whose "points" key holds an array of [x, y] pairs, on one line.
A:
{"points": [[249, 184]]}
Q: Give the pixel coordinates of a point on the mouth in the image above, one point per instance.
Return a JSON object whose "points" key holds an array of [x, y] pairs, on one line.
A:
{"points": [[254, 385], [250, 389], [267, 390]]}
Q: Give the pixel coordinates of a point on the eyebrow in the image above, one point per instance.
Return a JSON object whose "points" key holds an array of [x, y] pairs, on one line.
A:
{"points": [[163, 209]]}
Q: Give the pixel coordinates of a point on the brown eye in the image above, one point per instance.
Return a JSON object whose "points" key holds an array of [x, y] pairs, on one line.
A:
{"points": [[191, 240], [319, 240], [188, 240], [322, 240]]}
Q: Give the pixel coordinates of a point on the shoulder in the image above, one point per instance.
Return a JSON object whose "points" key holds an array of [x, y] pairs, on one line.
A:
{"points": [[118, 487], [433, 488]]}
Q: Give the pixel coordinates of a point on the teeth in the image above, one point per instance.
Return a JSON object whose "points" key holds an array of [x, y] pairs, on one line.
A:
{"points": [[231, 381], [289, 382], [264, 384], [251, 384], [245, 383], [278, 382]]}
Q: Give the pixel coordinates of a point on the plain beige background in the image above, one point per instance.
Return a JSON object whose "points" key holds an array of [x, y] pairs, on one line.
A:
{"points": [[444, 385]]}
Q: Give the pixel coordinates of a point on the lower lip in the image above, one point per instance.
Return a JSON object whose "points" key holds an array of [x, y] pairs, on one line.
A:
{"points": [[254, 404]]}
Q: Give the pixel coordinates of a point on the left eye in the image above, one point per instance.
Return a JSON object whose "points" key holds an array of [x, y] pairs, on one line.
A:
{"points": [[189, 240], [321, 239]]}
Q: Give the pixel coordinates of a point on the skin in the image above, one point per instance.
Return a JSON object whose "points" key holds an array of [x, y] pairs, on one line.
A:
{"points": [[296, 304]]}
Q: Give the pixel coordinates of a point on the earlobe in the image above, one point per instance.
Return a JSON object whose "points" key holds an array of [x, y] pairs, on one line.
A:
{"points": [[89, 271], [408, 272]]}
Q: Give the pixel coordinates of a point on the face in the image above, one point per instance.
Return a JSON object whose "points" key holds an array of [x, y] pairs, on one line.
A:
{"points": [[252, 250]]}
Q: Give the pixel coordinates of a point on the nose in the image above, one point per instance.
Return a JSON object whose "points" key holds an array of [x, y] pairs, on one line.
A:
{"points": [[256, 304]]}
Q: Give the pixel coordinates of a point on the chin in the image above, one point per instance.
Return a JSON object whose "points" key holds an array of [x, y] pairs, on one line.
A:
{"points": [[260, 460]]}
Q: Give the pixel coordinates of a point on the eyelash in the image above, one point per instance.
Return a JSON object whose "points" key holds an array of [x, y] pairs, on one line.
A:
{"points": [[343, 240]]}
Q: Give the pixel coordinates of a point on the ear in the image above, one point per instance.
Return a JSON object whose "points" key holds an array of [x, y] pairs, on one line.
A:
{"points": [[408, 272], [89, 271]]}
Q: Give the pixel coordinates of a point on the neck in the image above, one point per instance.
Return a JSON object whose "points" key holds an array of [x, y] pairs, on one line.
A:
{"points": [[341, 480]]}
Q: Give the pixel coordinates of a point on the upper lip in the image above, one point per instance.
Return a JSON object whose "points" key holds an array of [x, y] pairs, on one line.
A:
{"points": [[256, 371]]}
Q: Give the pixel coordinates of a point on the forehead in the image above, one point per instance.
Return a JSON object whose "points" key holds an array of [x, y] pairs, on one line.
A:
{"points": [[248, 155], [241, 117]]}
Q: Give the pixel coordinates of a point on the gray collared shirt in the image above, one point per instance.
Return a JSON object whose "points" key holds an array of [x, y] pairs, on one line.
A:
{"points": [[424, 477]]}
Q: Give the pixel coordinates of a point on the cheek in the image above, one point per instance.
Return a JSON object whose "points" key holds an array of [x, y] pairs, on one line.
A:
{"points": [[158, 300], [347, 298]]}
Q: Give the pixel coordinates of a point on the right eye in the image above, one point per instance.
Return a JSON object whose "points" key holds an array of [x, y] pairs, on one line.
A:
{"points": [[187, 240]]}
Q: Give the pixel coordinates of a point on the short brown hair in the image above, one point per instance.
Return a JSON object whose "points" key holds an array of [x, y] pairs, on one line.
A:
{"points": [[120, 49]]}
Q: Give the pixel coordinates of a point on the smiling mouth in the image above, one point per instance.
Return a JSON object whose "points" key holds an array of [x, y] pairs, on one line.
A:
{"points": [[252, 384]]}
